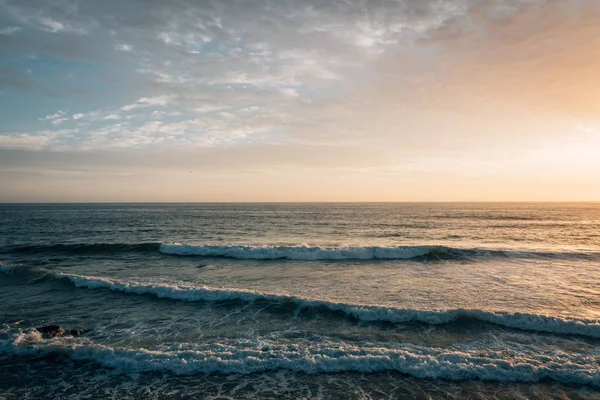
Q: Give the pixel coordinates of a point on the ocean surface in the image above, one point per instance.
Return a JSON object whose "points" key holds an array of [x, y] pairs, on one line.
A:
{"points": [[331, 301]]}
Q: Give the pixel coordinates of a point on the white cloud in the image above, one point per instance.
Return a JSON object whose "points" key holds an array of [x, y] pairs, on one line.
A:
{"points": [[78, 116], [147, 102], [58, 121], [55, 26], [290, 92], [32, 141], [209, 108], [58, 114], [54, 20], [23, 141], [9, 30], [52, 25], [125, 48], [186, 39], [162, 76], [154, 101]]}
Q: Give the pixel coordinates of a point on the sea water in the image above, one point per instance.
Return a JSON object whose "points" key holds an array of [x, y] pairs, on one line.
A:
{"points": [[482, 300]]}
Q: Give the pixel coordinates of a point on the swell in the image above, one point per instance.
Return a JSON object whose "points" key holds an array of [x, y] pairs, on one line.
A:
{"points": [[86, 248], [367, 313], [305, 252], [323, 356], [300, 252]]}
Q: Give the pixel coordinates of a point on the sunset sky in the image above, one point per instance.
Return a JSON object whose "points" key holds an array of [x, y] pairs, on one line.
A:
{"points": [[303, 100]]}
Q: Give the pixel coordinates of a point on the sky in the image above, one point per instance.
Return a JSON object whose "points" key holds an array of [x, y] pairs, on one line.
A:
{"points": [[299, 100]]}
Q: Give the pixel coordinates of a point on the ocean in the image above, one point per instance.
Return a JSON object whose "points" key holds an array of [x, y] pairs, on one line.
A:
{"points": [[329, 301]]}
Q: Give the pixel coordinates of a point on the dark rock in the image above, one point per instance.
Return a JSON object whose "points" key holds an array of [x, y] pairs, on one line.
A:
{"points": [[52, 331], [77, 332]]}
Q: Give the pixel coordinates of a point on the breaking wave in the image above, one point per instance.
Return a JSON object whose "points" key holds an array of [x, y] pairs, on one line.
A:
{"points": [[244, 356], [306, 252], [523, 321], [299, 252]]}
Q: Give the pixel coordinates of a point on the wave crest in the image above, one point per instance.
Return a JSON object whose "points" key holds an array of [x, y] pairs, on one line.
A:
{"points": [[302, 252], [314, 253], [368, 313], [306, 252]]}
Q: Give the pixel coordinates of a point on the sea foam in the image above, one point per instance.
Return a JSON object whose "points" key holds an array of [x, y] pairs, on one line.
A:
{"points": [[325, 356]]}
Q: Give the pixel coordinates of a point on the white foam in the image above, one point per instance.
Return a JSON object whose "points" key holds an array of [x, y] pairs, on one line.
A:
{"points": [[326, 356], [302, 252], [532, 322]]}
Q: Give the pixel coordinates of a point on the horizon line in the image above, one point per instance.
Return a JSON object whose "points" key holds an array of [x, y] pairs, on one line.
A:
{"points": [[306, 202]]}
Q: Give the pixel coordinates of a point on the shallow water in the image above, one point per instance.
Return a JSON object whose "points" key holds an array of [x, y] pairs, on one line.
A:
{"points": [[301, 300]]}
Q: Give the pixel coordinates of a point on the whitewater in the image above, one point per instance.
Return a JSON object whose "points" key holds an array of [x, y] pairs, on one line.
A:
{"points": [[246, 357]]}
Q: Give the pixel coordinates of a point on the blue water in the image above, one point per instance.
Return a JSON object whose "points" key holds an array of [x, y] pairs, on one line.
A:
{"points": [[301, 301]]}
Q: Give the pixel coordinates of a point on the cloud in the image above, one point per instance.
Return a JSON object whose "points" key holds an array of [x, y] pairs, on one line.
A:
{"points": [[9, 30], [147, 102], [52, 25], [58, 121], [23, 141], [54, 116], [34, 141], [125, 48], [40, 17], [290, 92]]}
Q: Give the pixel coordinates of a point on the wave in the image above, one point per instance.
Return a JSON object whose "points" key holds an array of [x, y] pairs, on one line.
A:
{"points": [[367, 313], [305, 252], [86, 248], [244, 356], [302, 252]]}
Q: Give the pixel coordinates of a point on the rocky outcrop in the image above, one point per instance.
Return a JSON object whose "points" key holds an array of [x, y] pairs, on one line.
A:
{"points": [[52, 331]]}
